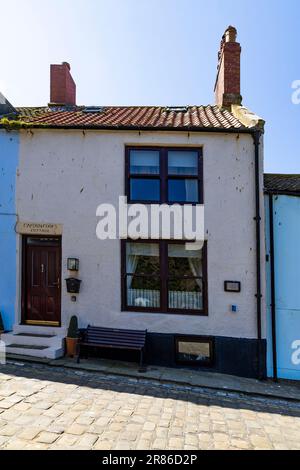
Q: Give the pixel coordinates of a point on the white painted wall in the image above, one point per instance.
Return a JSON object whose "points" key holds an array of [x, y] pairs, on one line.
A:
{"points": [[64, 175]]}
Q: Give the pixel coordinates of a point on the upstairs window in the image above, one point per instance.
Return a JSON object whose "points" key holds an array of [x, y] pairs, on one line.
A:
{"points": [[164, 175]]}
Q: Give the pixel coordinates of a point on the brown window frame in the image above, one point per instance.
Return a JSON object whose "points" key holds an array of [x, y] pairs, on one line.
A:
{"points": [[163, 256], [195, 339], [163, 175]]}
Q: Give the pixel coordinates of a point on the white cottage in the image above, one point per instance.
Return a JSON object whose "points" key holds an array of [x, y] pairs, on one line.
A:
{"points": [[203, 307]]}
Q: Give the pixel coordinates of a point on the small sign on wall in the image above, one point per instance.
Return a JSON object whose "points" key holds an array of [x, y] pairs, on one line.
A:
{"points": [[36, 228], [232, 286]]}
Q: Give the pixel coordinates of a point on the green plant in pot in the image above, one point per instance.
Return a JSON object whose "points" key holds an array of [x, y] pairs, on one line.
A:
{"points": [[72, 337], [1, 324]]}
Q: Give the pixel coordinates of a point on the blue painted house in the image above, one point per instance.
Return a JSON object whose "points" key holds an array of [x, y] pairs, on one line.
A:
{"points": [[282, 206], [9, 147]]}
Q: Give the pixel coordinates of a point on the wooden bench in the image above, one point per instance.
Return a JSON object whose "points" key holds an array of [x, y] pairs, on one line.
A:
{"points": [[98, 337]]}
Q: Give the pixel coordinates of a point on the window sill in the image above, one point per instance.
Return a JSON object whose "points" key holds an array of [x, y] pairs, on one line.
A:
{"points": [[198, 313]]}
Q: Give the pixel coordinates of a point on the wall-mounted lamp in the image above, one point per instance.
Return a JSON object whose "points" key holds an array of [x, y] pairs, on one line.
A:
{"points": [[73, 264]]}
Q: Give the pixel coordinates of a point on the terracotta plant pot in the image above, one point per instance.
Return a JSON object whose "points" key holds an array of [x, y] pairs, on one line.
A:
{"points": [[71, 346]]}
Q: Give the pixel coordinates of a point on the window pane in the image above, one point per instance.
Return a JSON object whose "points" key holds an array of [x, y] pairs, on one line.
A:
{"points": [[142, 189], [183, 190], [193, 351], [143, 291], [182, 262], [142, 258], [144, 161], [182, 162], [186, 294]]}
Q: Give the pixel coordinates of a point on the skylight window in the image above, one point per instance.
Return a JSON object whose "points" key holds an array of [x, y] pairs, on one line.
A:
{"points": [[93, 109], [177, 109]]}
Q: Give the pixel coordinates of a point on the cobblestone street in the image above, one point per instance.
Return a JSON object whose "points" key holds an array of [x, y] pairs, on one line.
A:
{"points": [[44, 407]]}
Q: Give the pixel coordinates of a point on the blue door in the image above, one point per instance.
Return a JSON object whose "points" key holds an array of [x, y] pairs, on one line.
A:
{"points": [[286, 230]]}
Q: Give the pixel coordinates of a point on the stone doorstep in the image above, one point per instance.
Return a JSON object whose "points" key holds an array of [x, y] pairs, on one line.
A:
{"points": [[184, 377]]}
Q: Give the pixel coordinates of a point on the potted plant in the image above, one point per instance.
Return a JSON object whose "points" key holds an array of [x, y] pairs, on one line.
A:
{"points": [[1, 324], [72, 337]]}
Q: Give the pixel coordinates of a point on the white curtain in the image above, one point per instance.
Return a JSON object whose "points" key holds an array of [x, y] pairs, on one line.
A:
{"points": [[133, 251], [131, 264], [194, 258], [196, 268], [182, 163], [144, 161]]}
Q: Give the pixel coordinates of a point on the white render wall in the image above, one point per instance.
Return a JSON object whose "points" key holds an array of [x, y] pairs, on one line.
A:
{"points": [[64, 175]]}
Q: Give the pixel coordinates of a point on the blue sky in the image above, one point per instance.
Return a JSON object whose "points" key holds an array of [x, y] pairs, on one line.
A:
{"points": [[131, 52]]}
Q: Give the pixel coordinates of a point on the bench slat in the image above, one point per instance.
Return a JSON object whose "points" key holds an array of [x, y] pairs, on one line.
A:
{"points": [[115, 333], [97, 328], [109, 345], [114, 338], [109, 340]]}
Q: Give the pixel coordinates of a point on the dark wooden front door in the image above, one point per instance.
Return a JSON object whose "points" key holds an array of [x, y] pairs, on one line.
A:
{"points": [[42, 283]]}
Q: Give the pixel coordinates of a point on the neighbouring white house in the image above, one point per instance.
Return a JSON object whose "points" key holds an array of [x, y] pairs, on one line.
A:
{"points": [[205, 307]]}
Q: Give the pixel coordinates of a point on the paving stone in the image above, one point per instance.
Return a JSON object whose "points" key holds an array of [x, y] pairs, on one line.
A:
{"points": [[121, 445], [10, 415], [24, 420], [53, 413], [159, 444], [116, 426], [66, 441], [240, 444], [3, 440], [260, 442], [77, 429], [15, 444], [9, 430], [143, 445], [175, 443], [87, 440], [191, 439], [47, 437], [29, 433], [148, 426], [85, 420]]}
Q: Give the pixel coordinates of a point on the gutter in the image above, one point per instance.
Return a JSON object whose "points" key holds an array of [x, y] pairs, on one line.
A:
{"points": [[29, 125], [273, 297], [282, 192]]}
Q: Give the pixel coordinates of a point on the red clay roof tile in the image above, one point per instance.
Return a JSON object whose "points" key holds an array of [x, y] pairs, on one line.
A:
{"points": [[128, 117]]}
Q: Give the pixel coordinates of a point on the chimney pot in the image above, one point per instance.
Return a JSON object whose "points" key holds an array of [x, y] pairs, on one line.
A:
{"points": [[230, 34], [227, 86], [66, 64]]}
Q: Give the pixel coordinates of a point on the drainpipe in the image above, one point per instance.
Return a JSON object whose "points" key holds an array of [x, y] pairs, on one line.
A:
{"points": [[273, 298], [256, 140]]}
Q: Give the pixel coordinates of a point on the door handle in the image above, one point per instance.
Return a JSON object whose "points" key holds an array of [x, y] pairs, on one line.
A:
{"points": [[57, 283]]}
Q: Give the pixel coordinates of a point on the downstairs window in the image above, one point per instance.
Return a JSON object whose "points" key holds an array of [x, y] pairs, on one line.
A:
{"points": [[163, 276]]}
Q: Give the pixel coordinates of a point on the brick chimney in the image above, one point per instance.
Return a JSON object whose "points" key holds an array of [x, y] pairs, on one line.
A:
{"points": [[62, 85], [227, 86]]}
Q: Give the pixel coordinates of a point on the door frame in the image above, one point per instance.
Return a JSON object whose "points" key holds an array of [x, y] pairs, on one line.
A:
{"points": [[24, 282]]}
